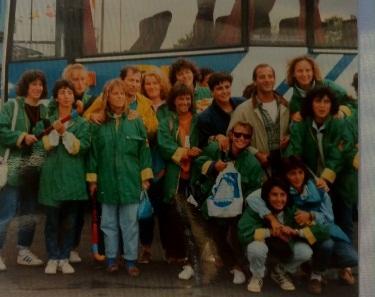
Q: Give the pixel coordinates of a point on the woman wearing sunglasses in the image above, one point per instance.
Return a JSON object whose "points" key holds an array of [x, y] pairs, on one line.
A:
{"points": [[211, 163]]}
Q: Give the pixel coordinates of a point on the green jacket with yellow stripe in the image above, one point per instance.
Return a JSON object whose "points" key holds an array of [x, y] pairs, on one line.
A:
{"points": [[14, 139], [172, 151], [63, 171], [119, 160], [304, 143]]}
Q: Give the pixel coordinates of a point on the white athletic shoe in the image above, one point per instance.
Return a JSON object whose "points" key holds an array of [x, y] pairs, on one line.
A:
{"points": [[51, 267], [28, 258], [65, 267], [282, 278], [74, 257], [255, 285], [3, 267], [239, 277], [186, 273]]}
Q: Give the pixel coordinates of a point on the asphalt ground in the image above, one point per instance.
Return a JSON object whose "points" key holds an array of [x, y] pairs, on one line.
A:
{"points": [[157, 278]]}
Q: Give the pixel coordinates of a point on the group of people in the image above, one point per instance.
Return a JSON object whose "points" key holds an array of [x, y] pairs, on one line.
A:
{"points": [[172, 139]]}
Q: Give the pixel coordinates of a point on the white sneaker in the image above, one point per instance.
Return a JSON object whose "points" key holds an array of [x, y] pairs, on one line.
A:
{"points": [[282, 278], [51, 267], [238, 276], [3, 267], [65, 267], [255, 285], [74, 257], [186, 273], [28, 258]]}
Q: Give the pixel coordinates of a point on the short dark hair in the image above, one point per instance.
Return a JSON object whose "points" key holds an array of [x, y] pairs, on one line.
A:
{"points": [[182, 64], [294, 162], [61, 84], [179, 89], [318, 92], [269, 184], [28, 77], [217, 78], [124, 71]]}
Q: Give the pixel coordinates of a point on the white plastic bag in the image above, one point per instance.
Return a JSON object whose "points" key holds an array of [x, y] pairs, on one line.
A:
{"points": [[226, 200]]}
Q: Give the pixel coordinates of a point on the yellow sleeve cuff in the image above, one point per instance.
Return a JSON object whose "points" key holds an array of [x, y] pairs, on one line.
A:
{"points": [[260, 234], [46, 143], [20, 139], [309, 235], [206, 166], [91, 177], [146, 174], [356, 161], [329, 175], [345, 110], [75, 147], [178, 154]]}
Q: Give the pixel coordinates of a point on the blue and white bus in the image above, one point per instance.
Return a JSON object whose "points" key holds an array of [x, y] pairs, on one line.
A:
{"points": [[225, 35]]}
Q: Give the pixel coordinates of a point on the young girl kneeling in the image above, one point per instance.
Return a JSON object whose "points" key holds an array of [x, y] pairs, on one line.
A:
{"points": [[291, 247]]}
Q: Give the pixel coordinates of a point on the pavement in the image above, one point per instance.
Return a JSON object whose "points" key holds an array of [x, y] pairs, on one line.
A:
{"points": [[157, 278]]}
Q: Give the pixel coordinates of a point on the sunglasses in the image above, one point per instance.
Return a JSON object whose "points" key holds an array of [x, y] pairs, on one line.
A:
{"points": [[244, 135]]}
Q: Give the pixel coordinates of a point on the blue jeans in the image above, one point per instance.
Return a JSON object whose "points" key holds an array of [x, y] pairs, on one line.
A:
{"points": [[120, 217], [257, 252], [330, 253], [59, 230], [10, 202]]}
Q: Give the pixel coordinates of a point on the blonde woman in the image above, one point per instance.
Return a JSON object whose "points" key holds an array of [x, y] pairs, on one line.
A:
{"points": [[119, 168]]}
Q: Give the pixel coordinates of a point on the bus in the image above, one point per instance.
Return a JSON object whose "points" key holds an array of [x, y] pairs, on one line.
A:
{"points": [[225, 35]]}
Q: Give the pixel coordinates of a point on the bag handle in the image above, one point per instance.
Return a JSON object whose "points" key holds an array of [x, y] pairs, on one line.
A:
{"points": [[12, 128]]}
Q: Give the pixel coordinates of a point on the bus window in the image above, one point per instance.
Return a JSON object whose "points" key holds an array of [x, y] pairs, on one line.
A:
{"points": [[277, 22], [335, 24], [34, 30], [145, 26]]}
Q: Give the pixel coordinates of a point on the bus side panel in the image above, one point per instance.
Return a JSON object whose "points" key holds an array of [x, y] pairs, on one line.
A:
{"points": [[111, 69], [337, 67]]}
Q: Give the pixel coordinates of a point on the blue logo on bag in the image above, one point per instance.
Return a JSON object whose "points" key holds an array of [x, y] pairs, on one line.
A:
{"points": [[226, 191]]}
